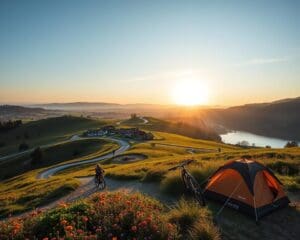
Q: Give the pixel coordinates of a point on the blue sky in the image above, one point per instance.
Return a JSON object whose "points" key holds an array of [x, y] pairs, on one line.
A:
{"points": [[136, 51]]}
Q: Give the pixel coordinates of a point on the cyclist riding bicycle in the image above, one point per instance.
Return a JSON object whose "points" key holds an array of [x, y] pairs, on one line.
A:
{"points": [[99, 172]]}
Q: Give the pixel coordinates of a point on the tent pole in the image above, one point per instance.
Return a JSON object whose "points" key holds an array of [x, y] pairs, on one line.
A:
{"points": [[221, 209], [255, 209]]}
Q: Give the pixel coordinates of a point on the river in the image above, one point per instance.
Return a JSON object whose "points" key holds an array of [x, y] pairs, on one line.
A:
{"points": [[259, 141]]}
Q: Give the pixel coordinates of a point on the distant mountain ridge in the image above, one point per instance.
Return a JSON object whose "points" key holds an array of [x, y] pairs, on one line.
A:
{"points": [[76, 105], [12, 112], [279, 119]]}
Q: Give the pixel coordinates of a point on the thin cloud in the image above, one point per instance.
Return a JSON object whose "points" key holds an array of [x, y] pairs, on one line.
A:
{"points": [[262, 61]]}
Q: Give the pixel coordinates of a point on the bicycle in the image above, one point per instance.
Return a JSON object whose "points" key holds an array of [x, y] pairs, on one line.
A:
{"points": [[100, 182], [190, 182]]}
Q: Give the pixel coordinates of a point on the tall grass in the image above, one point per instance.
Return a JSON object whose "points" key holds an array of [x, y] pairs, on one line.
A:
{"points": [[172, 184], [193, 222]]}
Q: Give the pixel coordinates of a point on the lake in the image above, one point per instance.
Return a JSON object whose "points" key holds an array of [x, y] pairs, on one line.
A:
{"points": [[259, 141]]}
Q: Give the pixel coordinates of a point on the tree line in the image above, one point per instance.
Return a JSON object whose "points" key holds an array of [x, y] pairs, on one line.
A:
{"points": [[8, 125]]}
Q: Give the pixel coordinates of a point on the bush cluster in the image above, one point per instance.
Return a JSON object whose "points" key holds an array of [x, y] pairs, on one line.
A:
{"points": [[112, 215]]}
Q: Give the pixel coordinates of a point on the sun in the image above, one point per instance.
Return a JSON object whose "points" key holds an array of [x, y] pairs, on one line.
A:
{"points": [[190, 93]]}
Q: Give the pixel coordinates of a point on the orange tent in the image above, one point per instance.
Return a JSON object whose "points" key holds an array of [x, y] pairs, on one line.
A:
{"points": [[247, 186]]}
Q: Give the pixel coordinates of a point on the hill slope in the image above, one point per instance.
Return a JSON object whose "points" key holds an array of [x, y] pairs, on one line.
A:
{"points": [[276, 119], [44, 131], [200, 131]]}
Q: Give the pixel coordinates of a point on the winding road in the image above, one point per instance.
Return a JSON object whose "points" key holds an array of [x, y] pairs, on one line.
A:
{"points": [[87, 186], [145, 121], [124, 145]]}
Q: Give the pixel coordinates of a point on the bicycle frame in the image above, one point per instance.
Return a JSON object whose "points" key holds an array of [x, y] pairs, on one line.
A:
{"points": [[190, 182]]}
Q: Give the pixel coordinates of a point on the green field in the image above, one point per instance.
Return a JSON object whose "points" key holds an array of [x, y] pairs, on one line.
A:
{"points": [[166, 150], [26, 192], [19, 188], [52, 155], [50, 130], [154, 124]]}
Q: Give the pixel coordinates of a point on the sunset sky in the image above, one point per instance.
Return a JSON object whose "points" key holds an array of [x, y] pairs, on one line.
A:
{"points": [[140, 51]]}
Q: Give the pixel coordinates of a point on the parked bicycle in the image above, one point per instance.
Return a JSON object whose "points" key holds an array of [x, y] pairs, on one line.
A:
{"points": [[190, 182]]}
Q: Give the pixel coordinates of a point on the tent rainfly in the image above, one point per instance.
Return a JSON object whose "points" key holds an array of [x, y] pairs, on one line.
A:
{"points": [[247, 186]]}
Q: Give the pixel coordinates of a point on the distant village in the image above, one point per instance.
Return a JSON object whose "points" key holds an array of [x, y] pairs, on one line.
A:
{"points": [[132, 133]]}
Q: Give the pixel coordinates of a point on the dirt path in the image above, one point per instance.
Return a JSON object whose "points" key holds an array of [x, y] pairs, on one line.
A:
{"points": [[190, 149], [88, 187], [145, 121], [124, 145]]}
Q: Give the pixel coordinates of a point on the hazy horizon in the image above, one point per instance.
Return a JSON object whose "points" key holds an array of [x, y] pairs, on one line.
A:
{"points": [[137, 103], [213, 53]]}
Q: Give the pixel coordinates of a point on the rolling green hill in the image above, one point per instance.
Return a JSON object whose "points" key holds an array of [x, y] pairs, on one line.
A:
{"points": [[45, 131], [276, 119], [181, 128], [52, 155]]}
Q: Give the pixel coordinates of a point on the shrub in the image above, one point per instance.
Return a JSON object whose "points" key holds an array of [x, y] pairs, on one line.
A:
{"points": [[110, 215], [204, 230], [193, 222], [285, 168], [153, 176], [184, 214], [290, 144], [172, 184], [23, 147], [36, 156], [202, 172]]}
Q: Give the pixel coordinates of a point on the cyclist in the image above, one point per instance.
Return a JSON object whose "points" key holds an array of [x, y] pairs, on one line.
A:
{"points": [[99, 172]]}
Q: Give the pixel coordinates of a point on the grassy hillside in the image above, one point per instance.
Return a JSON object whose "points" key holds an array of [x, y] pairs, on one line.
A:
{"points": [[44, 131], [26, 192], [276, 119], [167, 149], [233, 225], [52, 155], [154, 124], [284, 162]]}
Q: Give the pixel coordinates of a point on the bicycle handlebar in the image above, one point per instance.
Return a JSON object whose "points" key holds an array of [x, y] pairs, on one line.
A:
{"points": [[181, 165]]}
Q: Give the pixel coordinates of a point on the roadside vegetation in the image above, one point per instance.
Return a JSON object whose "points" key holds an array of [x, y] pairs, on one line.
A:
{"points": [[62, 152], [115, 215], [25, 192]]}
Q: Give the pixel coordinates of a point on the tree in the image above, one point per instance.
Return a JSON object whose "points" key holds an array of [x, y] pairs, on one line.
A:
{"points": [[23, 146], [243, 143], [26, 136], [290, 144], [36, 156], [133, 116]]}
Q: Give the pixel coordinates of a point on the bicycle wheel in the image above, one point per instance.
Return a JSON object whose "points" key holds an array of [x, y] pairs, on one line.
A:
{"points": [[102, 184], [196, 190], [97, 183], [184, 177]]}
